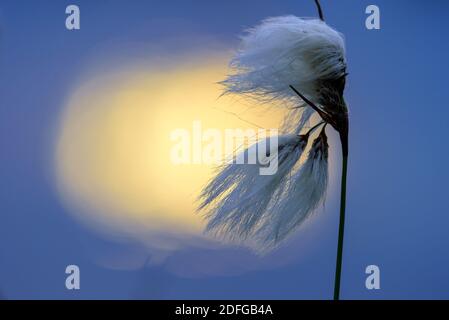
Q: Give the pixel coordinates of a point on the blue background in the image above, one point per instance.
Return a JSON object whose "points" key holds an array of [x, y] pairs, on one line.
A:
{"points": [[397, 211]]}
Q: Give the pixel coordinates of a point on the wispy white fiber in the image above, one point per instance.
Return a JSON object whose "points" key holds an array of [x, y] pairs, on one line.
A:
{"points": [[236, 200], [284, 51], [303, 195], [297, 119]]}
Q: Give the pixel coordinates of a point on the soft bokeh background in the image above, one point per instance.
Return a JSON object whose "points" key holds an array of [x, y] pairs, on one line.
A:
{"points": [[51, 80]]}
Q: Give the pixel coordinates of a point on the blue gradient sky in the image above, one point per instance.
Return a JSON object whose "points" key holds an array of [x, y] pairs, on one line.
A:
{"points": [[397, 211]]}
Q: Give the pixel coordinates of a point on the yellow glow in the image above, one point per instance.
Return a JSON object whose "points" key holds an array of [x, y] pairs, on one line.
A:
{"points": [[113, 150]]}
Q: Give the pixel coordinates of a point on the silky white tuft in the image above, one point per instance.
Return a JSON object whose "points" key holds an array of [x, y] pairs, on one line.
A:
{"points": [[238, 198], [303, 195], [286, 51]]}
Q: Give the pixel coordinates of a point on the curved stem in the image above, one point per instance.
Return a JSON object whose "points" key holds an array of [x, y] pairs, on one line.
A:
{"points": [[320, 12], [314, 127], [341, 228], [310, 103]]}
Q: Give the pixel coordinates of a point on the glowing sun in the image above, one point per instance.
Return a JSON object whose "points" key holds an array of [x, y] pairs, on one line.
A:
{"points": [[113, 148]]}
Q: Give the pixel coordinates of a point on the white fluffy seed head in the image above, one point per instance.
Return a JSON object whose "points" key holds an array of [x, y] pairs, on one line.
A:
{"points": [[303, 195], [284, 51], [236, 201], [261, 211]]}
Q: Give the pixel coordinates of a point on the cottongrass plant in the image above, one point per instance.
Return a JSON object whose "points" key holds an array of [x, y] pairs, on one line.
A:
{"points": [[299, 63]]}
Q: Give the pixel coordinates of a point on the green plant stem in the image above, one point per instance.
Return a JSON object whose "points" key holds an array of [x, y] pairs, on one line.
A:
{"points": [[341, 228]]}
